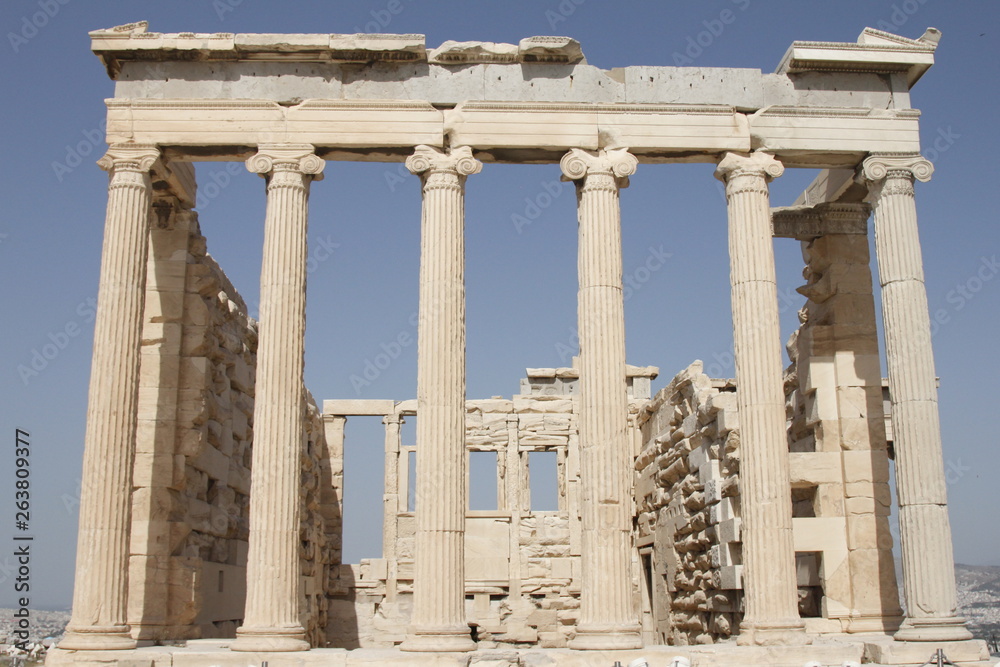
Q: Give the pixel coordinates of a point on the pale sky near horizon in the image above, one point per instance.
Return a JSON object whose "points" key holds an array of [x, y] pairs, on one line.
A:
{"points": [[521, 279]]}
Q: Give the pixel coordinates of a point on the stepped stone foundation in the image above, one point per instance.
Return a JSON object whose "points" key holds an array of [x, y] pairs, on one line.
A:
{"points": [[718, 522]]}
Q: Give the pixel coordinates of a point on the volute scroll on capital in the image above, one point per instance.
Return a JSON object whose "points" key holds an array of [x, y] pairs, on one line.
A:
{"points": [[295, 157], [459, 160], [615, 162], [878, 166], [757, 163], [137, 157]]}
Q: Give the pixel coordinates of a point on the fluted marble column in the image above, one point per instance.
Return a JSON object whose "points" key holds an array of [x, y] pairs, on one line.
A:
{"points": [[101, 586], [271, 618], [608, 616], [924, 530], [438, 622], [769, 581]]}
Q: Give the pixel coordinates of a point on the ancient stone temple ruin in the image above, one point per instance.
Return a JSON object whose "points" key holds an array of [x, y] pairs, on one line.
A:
{"points": [[720, 521]]}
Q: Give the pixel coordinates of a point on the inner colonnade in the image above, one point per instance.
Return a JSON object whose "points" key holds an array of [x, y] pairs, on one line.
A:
{"points": [[598, 145]]}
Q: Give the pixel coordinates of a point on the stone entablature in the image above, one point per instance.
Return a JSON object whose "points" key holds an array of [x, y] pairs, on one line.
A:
{"points": [[379, 93]]}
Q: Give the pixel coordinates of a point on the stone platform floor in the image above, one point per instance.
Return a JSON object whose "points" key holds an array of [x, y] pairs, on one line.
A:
{"points": [[870, 650]]}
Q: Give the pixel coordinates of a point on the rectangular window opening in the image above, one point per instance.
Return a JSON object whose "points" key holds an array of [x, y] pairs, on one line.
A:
{"points": [[543, 475], [483, 481], [808, 569], [411, 482], [804, 501]]}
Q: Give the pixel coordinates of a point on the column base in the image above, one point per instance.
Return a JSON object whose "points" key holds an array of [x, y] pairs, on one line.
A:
{"points": [[599, 637], [98, 638], [874, 623], [948, 629], [265, 640], [451, 639], [778, 633]]}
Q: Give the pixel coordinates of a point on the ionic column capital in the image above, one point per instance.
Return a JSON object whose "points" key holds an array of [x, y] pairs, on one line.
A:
{"points": [[428, 160], [617, 163], [757, 164], [129, 157], [880, 166], [300, 158]]}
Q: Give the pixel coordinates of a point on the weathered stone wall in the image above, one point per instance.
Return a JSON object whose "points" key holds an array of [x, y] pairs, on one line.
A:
{"points": [[688, 510], [522, 566], [193, 451], [687, 489], [837, 442], [320, 537]]}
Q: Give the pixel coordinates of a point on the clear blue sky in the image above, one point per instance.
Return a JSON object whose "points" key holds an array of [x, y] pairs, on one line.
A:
{"points": [[521, 282]]}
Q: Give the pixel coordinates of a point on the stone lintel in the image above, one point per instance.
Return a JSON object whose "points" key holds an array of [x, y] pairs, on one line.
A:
{"points": [[832, 185], [631, 371], [359, 407], [808, 222], [518, 132]]}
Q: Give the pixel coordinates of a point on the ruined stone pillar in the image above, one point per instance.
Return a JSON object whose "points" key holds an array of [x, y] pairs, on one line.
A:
{"points": [[332, 496], [390, 500], [513, 480], [438, 621], [924, 530], [101, 587], [608, 616], [769, 579], [271, 619]]}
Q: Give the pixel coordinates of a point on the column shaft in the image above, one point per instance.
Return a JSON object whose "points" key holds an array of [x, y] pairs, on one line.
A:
{"points": [[271, 618], [513, 480], [438, 622], [608, 615], [924, 529], [101, 585], [771, 598]]}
